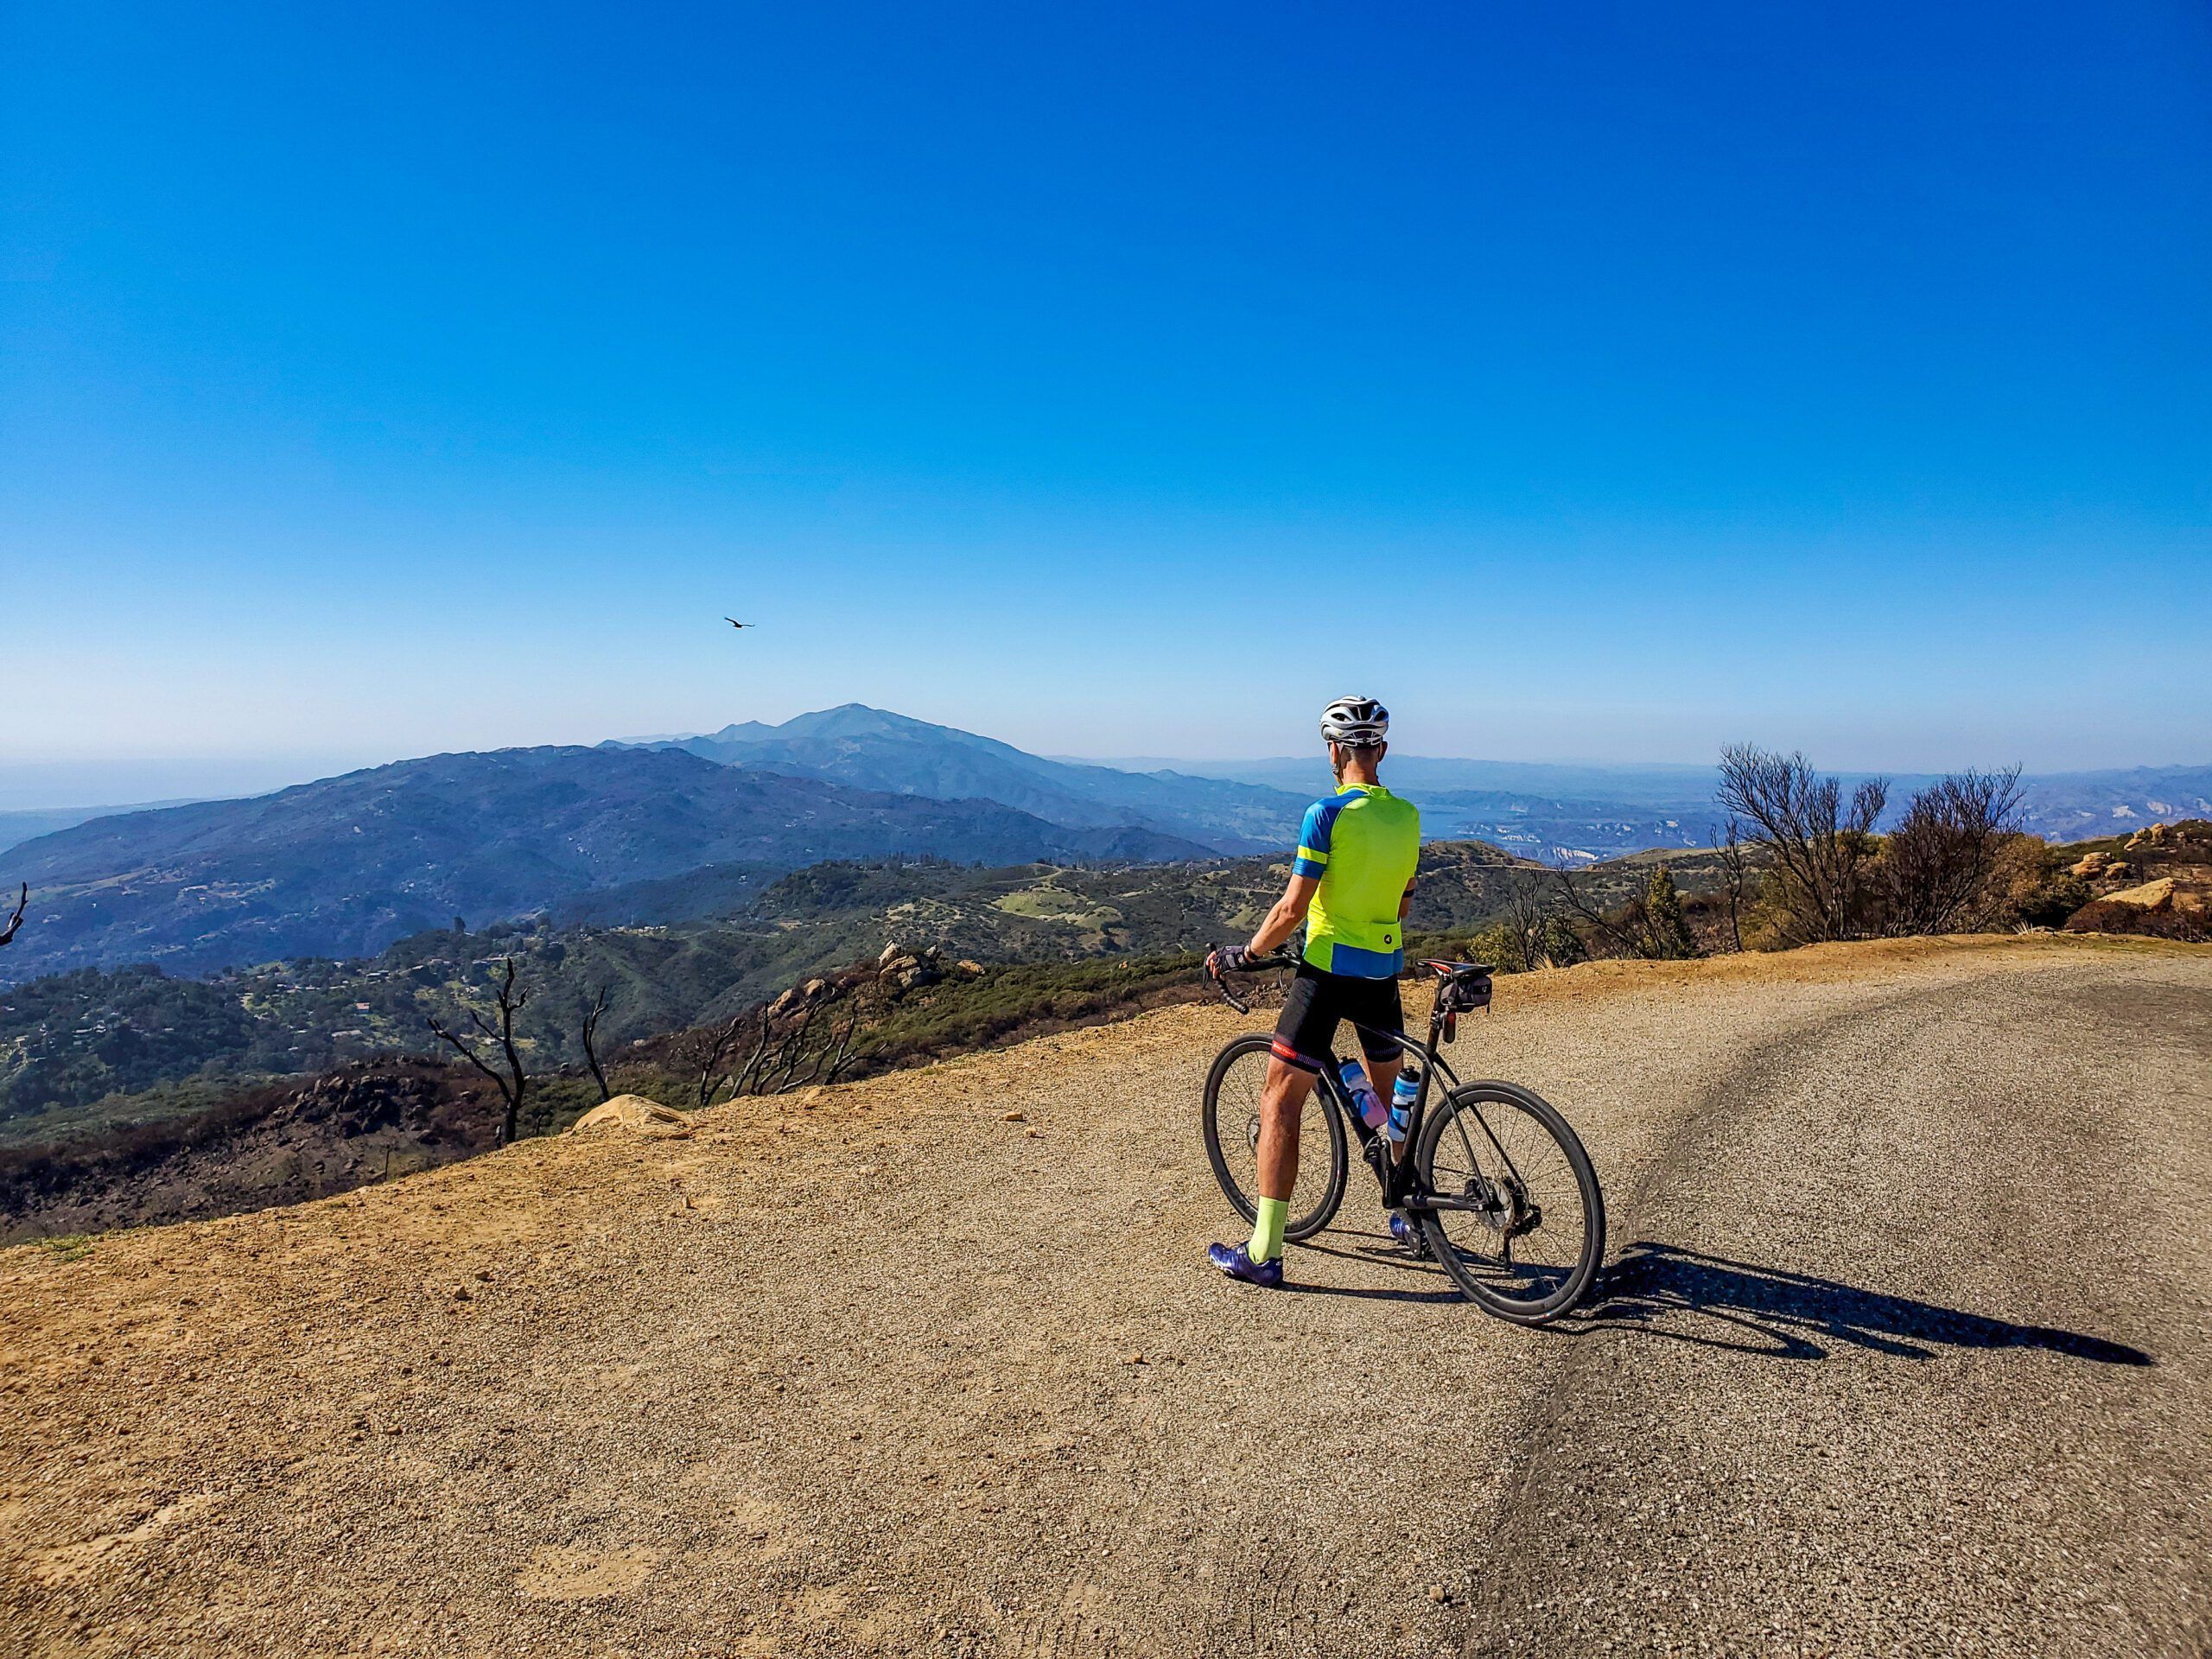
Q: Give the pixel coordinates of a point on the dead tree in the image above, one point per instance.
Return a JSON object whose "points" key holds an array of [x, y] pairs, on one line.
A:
{"points": [[509, 1077], [1735, 873], [707, 1048], [1936, 864], [1528, 925], [1616, 930], [593, 1012], [1648, 924], [23, 901], [784, 1047], [814, 1046], [1821, 852]]}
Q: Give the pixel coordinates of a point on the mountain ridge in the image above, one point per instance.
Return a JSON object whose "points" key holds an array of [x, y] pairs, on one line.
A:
{"points": [[345, 865], [876, 748]]}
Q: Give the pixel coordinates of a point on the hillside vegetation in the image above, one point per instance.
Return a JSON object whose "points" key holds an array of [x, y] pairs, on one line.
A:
{"points": [[68, 1040]]}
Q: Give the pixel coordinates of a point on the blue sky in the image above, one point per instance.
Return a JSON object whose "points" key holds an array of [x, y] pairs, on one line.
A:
{"points": [[1605, 384]]}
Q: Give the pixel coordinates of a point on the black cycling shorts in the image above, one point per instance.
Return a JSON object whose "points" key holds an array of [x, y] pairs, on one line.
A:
{"points": [[1307, 1030]]}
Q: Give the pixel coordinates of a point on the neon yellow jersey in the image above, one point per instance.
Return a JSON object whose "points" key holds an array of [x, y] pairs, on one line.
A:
{"points": [[1364, 844]]}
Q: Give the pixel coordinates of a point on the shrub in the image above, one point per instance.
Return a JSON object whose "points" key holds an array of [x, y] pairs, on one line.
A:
{"points": [[1935, 868], [2170, 922], [2031, 886], [1818, 884]]}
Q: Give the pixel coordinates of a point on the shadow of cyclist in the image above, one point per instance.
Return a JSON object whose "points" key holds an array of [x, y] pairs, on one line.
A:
{"points": [[1664, 1290]]}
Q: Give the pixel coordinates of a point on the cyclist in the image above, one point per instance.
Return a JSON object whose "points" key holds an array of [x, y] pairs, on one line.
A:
{"points": [[1351, 883]]}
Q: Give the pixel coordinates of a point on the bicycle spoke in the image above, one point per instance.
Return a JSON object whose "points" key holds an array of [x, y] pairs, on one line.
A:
{"points": [[1237, 1121], [1530, 1247]]}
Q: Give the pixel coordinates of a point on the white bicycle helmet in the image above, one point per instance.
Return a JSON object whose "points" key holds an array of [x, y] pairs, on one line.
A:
{"points": [[1359, 721]]}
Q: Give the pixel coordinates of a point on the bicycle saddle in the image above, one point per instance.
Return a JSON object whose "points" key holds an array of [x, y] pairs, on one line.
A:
{"points": [[1461, 971], [1467, 984]]}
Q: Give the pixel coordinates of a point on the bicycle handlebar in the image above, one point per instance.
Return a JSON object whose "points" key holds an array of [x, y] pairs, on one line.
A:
{"points": [[1258, 964]]}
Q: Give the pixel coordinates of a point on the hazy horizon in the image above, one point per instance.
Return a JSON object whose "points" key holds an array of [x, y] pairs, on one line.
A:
{"points": [[131, 780]]}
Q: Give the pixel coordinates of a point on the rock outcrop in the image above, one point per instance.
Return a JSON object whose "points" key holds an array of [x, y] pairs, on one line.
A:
{"points": [[636, 1114], [2152, 895]]}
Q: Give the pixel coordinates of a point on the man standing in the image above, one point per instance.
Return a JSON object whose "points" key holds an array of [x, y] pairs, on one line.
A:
{"points": [[1353, 880]]}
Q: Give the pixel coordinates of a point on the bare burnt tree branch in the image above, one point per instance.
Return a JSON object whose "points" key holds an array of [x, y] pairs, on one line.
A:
{"points": [[1623, 931], [510, 1077], [1527, 921], [593, 1013], [1937, 862], [790, 1047], [841, 1052], [23, 901], [708, 1050], [1728, 842], [1820, 850]]}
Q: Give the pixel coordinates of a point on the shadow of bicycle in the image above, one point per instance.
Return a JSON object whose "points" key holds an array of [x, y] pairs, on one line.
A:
{"points": [[1683, 1295]]}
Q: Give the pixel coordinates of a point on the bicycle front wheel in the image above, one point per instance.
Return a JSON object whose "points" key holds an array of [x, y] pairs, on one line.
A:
{"points": [[1524, 1225], [1230, 1120]]}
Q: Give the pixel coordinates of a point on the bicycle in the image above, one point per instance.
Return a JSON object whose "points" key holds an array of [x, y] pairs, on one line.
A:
{"points": [[1498, 1181]]}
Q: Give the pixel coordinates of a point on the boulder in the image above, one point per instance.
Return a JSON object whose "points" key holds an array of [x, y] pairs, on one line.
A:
{"points": [[2091, 865], [968, 969], [2152, 895], [892, 952], [636, 1114]]}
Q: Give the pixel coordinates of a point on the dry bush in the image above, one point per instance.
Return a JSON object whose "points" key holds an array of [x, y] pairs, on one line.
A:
{"points": [[2031, 885], [1650, 926], [1820, 851], [2170, 922], [1934, 874]]}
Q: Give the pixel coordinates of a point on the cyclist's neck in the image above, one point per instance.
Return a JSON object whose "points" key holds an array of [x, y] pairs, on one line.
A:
{"points": [[1358, 774]]}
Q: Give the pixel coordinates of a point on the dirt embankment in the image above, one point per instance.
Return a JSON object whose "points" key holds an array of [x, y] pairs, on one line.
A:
{"points": [[1903, 1347]]}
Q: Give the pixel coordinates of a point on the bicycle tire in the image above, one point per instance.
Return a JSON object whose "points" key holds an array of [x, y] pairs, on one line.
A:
{"points": [[1552, 1289], [1327, 1194]]}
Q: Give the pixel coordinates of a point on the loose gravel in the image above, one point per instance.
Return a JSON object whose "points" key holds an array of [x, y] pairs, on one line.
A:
{"points": [[1904, 1346]]}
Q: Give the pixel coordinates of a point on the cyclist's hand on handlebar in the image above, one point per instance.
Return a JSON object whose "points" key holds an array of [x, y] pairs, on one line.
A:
{"points": [[1229, 959]]}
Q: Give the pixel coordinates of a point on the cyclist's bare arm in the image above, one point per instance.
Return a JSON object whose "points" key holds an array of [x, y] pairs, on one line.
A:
{"points": [[1288, 915]]}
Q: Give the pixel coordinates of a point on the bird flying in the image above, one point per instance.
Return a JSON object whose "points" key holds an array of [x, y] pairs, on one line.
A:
{"points": [[734, 623]]}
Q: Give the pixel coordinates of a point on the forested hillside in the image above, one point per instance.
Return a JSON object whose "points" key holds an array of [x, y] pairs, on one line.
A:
{"points": [[68, 1040]]}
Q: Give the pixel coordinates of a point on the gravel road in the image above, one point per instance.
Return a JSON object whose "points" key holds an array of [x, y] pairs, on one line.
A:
{"points": [[1905, 1344]]}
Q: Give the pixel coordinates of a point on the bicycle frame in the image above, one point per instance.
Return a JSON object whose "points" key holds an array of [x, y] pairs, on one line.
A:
{"points": [[1432, 1063]]}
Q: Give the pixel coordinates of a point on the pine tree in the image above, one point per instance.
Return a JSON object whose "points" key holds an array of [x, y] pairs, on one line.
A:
{"points": [[1663, 907]]}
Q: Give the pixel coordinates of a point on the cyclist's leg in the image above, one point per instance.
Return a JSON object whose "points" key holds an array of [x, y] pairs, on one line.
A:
{"points": [[1302, 1035], [1283, 1104]]}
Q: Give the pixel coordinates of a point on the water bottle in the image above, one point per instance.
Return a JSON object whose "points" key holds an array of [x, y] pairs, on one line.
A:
{"points": [[1402, 1096], [1368, 1105]]}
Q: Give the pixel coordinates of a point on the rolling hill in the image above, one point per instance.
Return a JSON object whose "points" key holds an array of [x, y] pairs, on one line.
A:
{"points": [[344, 866]]}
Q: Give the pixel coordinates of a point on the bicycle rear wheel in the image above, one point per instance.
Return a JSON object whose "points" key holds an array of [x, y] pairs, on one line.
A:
{"points": [[1529, 1250], [1231, 1122]]}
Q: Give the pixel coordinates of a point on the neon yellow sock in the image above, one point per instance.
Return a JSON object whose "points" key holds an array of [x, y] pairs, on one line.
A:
{"points": [[1267, 1231]]}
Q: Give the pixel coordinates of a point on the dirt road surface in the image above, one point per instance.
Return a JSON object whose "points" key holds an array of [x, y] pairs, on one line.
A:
{"points": [[1905, 1344]]}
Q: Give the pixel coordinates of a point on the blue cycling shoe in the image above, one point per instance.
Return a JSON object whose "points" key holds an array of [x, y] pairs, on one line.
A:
{"points": [[1232, 1260], [1407, 1232]]}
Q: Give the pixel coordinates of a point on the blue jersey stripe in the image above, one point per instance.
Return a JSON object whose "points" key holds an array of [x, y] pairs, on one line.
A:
{"points": [[1356, 963]]}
